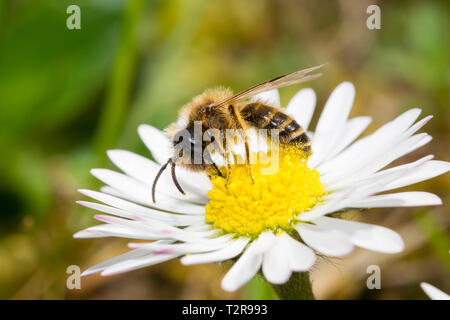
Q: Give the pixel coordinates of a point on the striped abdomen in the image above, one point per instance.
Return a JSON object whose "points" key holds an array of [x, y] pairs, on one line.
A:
{"points": [[266, 117]]}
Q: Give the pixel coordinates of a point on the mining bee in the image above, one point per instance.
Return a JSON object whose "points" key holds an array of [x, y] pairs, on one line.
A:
{"points": [[219, 109]]}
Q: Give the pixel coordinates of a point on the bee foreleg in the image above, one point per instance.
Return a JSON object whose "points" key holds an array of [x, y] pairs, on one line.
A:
{"points": [[247, 154], [217, 170], [228, 168], [228, 156], [241, 123]]}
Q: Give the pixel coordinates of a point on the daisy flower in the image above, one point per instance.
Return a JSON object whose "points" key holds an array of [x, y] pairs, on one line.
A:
{"points": [[279, 223]]}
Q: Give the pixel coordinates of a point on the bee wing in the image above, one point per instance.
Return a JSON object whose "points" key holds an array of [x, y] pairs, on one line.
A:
{"points": [[279, 82]]}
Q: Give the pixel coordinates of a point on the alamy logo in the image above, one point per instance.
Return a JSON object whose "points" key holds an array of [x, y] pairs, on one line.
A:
{"points": [[374, 20], [374, 280], [74, 280], [74, 20]]}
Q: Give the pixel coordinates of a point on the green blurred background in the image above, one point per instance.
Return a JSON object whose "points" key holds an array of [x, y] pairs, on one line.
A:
{"points": [[66, 96]]}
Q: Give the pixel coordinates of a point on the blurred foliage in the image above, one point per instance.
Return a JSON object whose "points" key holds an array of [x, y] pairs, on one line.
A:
{"points": [[66, 96]]}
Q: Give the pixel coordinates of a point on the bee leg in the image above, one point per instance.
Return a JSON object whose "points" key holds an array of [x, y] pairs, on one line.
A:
{"points": [[227, 154], [228, 169], [234, 112], [217, 170], [219, 145], [247, 154]]}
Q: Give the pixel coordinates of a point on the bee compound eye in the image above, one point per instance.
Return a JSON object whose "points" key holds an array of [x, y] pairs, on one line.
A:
{"points": [[177, 139], [208, 109]]}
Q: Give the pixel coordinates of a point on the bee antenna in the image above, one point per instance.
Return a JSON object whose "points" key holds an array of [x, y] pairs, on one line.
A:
{"points": [[157, 178], [174, 177]]}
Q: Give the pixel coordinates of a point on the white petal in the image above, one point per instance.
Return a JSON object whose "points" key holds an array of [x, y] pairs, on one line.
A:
{"points": [[233, 249], [401, 199], [119, 212], [131, 210], [338, 200], [242, 271], [158, 228], [117, 231], [301, 257], [328, 242], [323, 209], [276, 265], [264, 242], [406, 147], [134, 165], [360, 169], [427, 171], [336, 109], [284, 256], [352, 130], [157, 142], [365, 235], [117, 259], [155, 227], [136, 199], [381, 142], [301, 107], [364, 179], [136, 263], [419, 124], [181, 248], [137, 191], [113, 192], [332, 123], [271, 97], [198, 227], [249, 263], [145, 171], [433, 292]]}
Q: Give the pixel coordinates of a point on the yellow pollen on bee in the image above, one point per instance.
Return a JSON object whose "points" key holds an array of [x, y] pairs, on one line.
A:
{"points": [[273, 202]]}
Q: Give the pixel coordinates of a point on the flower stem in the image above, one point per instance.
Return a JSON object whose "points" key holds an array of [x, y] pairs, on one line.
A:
{"points": [[120, 86], [158, 77], [298, 287]]}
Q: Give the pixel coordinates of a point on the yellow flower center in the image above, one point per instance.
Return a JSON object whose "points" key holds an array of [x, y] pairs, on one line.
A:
{"points": [[273, 202]]}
